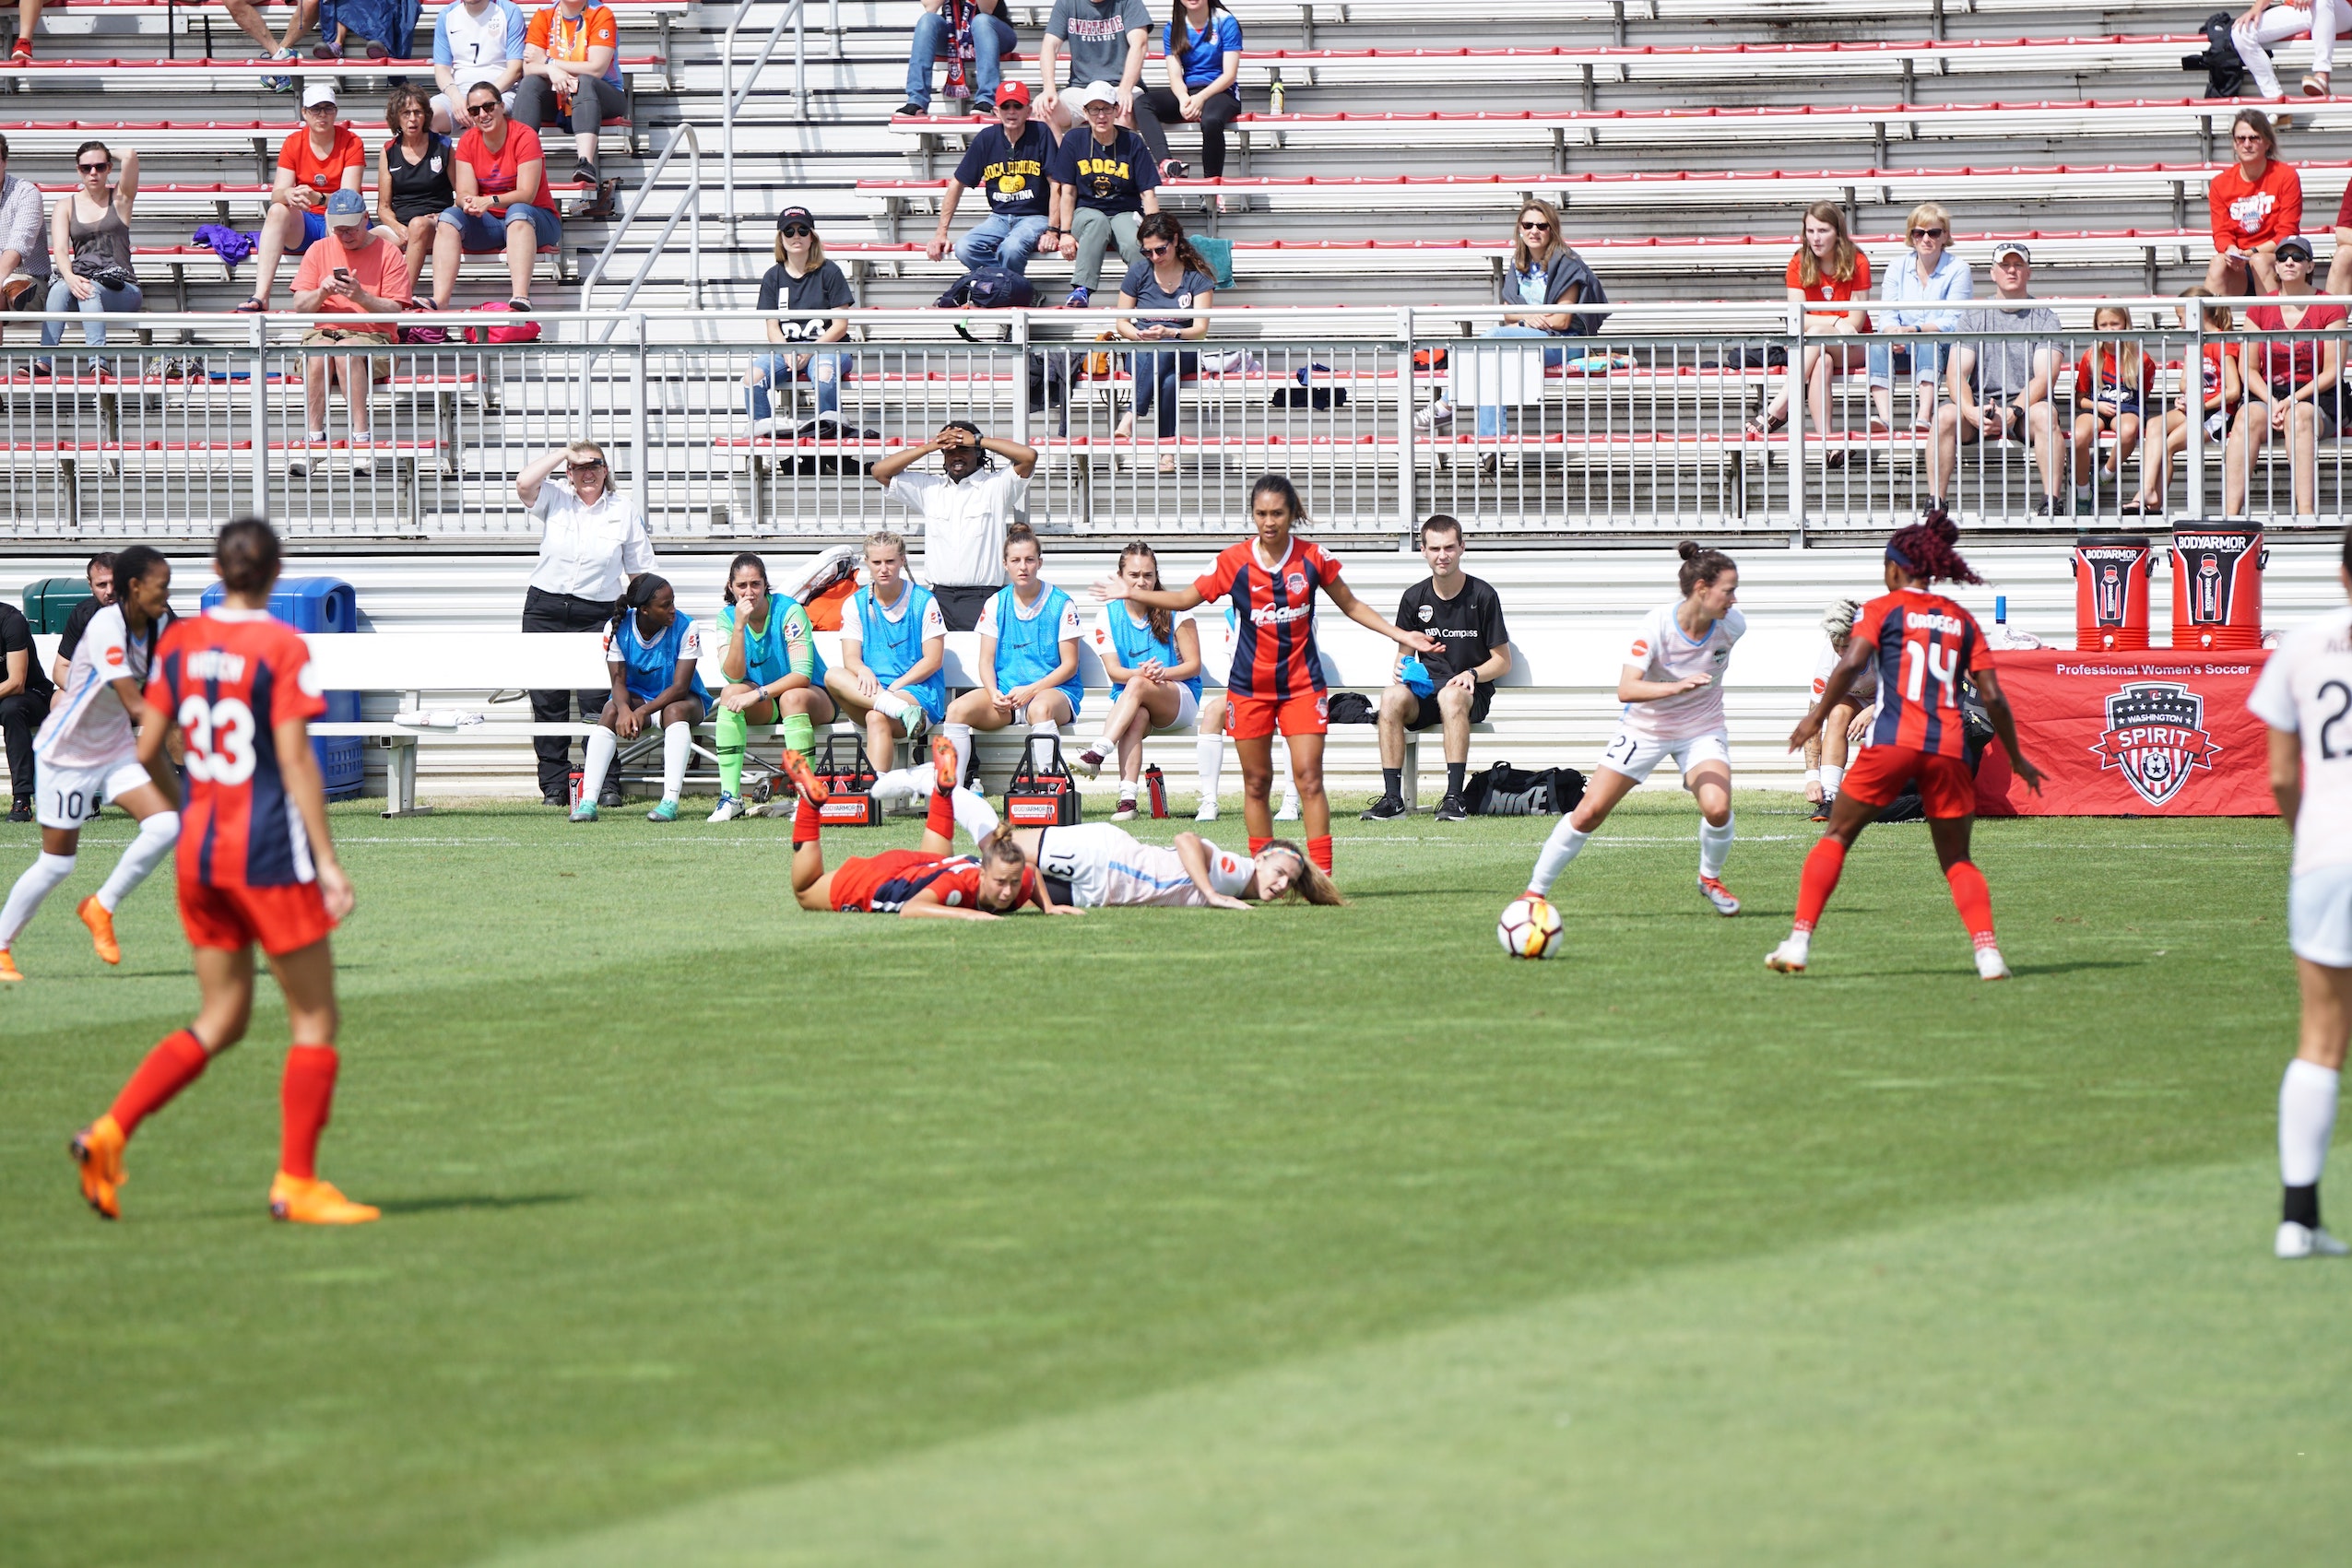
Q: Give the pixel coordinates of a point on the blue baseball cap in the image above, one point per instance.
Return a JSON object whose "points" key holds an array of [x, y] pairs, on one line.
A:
{"points": [[346, 208]]}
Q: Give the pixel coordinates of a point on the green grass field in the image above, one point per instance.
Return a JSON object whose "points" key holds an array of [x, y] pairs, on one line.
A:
{"points": [[718, 1233]]}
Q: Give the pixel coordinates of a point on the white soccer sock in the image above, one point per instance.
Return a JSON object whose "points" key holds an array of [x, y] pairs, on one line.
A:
{"points": [[1562, 847], [157, 835], [896, 705], [1832, 775], [2306, 1121], [960, 736], [1209, 760], [1714, 845], [973, 813], [603, 746], [1042, 736], [903, 784], [40, 879], [1127, 788], [677, 746]]}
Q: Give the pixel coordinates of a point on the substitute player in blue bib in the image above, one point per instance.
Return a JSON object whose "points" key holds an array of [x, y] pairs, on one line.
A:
{"points": [[1029, 637], [1153, 661], [892, 676], [653, 652], [774, 676]]}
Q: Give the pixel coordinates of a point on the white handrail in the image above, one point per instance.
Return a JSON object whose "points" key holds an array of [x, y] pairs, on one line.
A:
{"points": [[688, 205], [730, 99]]}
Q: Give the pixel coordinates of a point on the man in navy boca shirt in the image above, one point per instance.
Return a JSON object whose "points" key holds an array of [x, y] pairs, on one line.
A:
{"points": [[1008, 162]]}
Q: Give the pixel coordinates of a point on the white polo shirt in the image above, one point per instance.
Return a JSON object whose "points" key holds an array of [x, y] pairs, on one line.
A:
{"points": [[589, 552], [963, 523]]}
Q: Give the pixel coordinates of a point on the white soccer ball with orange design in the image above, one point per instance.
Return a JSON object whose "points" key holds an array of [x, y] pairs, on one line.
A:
{"points": [[1529, 928]]}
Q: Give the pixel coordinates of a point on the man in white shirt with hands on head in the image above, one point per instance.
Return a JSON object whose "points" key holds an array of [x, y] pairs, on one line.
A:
{"points": [[593, 542], [964, 511], [2305, 697]]}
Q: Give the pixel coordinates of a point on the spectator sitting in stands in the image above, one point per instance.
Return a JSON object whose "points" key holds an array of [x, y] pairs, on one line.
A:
{"points": [[801, 280], [24, 250], [571, 76], [2112, 380], [90, 237], [1008, 162], [1172, 276], [1104, 182], [315, 161], [1827, 269], [1935, 277], [1456, 680], [2224, 389], [500, 173], [2256, 203], [2293, 385], [476, 41], [412, 179], [945, 27], [1106, 43], [386, 27], [246, 14], [2323, 21], [2000, 387], [1543, 271], [353, 269], [1203, 44]]}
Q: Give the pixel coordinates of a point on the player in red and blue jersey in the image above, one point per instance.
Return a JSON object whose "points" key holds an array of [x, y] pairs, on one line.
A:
{"points": [[1276, 682], [1920, 643], [256, 865], [930, 881]]}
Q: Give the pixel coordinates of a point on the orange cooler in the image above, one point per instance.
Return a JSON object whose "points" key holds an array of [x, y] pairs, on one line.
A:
{"points": [[2218, 587], [2112, 592]]}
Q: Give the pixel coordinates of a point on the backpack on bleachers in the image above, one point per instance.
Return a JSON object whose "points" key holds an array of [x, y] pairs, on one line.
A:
{"points": [[2224, 71]]}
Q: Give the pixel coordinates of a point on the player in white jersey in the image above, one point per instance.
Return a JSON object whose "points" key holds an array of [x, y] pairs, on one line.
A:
{"points": [[1672, 685], [87, 753], [1216, 633], [2305, 695], [1102, 866], [1845, 725]]}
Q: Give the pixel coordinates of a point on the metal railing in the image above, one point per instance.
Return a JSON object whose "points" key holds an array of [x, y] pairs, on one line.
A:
{"points": [[1662, 428], [732, 98]]}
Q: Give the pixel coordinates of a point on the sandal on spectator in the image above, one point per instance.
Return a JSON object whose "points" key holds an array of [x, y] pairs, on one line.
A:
{"points": [[1167, 463], [1760, 426], [1879, 427], [2135, 507], [2315, 85]]}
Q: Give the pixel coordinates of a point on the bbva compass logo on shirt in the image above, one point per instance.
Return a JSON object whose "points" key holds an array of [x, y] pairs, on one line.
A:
{"points": [[2155, 736]]}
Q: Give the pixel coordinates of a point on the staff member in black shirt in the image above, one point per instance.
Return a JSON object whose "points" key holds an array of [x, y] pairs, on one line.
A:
{"points": [[25, 692], [99, 573], [1455, 684]]}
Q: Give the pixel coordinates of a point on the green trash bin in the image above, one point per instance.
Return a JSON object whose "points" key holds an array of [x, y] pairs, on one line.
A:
{"points": [[49, 603]]}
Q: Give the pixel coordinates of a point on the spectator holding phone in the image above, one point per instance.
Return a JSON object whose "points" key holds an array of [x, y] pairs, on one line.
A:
{"points": [[353, 270], [2256, 201]]}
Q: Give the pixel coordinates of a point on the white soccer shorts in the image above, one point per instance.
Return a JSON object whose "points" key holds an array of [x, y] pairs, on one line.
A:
{"points": [[2319, 915], [69, 797], [1636, 756]]}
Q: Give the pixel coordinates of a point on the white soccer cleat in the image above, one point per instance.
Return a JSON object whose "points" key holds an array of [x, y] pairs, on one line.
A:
{"points": [[1716, 893], [730, 806], [2306, 1241], [1991, 965], [1207, 812], [1790, 957], [1087, 763], [1289, 813]]}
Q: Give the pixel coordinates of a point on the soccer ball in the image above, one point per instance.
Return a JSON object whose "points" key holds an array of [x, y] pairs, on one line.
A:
{"points": [[1529, 928]]}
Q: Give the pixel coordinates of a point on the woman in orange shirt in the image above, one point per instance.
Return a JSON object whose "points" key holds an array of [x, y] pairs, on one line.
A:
{"points": [[1826, 269], [2256, 203]]}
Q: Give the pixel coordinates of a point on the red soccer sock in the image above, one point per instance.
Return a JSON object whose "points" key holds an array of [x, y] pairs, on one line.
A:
{"points": [[1973, 900], [1319, 851], [1256, 844], [806, 826], [1823, 868], [942, 819], [169, 1068], [305, 1097]]}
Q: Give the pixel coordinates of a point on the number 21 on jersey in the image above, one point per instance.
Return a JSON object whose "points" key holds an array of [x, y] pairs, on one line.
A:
{"points": [[220, 739]]}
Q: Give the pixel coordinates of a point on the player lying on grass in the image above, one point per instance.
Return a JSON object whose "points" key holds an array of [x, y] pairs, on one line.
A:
{"points": [[1672, 685], [774, 676], [931, 880], [256, 866], [1844, 727], [2305, 698], [1153, 661], [654, 654], [1922, 643], [86, 752], [1099, 865]]}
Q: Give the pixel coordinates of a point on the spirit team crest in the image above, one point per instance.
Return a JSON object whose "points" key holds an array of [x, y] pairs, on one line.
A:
{"points": [[2155, 735]]}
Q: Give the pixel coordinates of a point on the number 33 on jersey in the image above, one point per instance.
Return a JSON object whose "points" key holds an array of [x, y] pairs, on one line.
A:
{"points": [[227, 678], [1922, 644]]}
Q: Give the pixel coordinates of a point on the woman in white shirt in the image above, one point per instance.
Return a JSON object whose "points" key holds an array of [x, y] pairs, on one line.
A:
{"points": [[593, 544]]}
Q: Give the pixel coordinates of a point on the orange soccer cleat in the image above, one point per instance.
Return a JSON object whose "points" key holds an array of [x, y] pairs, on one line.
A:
{"points": [[804, 778], [315, 1203], [9, 974], [944, 771], [100, 921], [98, 1150]]}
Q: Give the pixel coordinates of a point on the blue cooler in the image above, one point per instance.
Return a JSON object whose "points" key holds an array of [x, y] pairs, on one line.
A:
{"points": [[321, 604]]}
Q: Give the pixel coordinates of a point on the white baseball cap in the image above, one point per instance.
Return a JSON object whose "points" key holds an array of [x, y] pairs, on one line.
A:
{"points": [[318, 93], [1098, 92]]}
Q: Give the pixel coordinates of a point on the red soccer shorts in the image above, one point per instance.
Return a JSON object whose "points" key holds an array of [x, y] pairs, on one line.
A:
{"points": [[1946, 787], [1252, 718], [283, 920]]}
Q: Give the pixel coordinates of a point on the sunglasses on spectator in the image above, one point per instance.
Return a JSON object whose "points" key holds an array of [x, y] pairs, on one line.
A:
{"points": [[478, 109], [1536, 228], [1927, 233], [1158, 250], [585, 468], [797, 231], [94, 167], [2248, 138]]}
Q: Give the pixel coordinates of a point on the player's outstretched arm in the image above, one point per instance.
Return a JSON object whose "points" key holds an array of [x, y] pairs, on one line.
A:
{"points": [[1179, 599], [925, 905], [1192, 852], [299, 764], [1044, 900], [2004, 725], [1363, 615]]}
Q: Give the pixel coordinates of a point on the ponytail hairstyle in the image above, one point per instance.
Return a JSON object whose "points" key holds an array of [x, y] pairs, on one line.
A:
{"points": [[636, 596], [1310, 884], [1843, 256], [1700, 565], [726, 594], [1164, 226], [245, 554], [999, 847], [1162, 621], [1279, 484], [1021, 533], [1925, 549]]}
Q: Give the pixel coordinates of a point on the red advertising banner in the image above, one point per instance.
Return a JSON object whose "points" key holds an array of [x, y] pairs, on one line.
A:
{"points": [[2157, 732]]}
